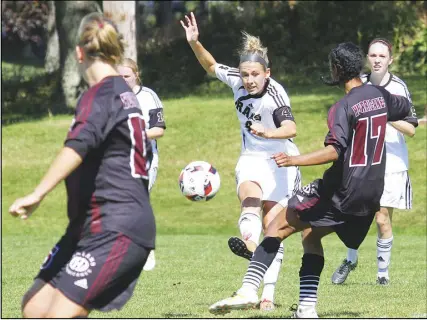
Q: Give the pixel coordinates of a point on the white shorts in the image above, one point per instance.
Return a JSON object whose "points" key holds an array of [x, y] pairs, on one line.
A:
{"points": [[397, 191], [152, 176], [277, 184]]}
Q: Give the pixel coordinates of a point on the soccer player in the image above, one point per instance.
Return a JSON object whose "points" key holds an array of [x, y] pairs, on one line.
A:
{"points": [[397, 185], [267, 127], [346, 199], [104, 161], [152, 111]]}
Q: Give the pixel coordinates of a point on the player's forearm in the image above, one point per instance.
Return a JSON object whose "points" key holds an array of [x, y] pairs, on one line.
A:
{"points": [[325, 155], [65, 162], [405, 127], [206, 60], [287, 130], [155, 133]]}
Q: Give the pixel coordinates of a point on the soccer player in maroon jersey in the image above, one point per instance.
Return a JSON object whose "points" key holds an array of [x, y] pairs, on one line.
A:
{"points": [[345, 200], [105, 162]]}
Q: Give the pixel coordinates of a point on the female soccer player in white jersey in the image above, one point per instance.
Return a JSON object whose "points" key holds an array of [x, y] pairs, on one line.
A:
{"points": [[397, 185], [152, 111], [267, 127]]}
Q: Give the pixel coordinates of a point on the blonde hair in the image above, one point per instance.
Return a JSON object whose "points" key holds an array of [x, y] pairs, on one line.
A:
{"points": [[128, 62], [100, 39], [252, 45]]}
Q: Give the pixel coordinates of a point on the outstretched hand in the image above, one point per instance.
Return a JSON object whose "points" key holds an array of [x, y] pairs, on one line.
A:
{"points": [[191, 30], [283, 160]]}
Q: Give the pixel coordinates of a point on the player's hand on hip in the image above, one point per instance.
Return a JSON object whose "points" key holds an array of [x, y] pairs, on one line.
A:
{"points": [[24, 207], [258, 130], [190, 27], [282, 159]]}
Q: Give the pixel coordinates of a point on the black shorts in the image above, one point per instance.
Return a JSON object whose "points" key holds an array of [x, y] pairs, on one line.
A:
{"points": [[97, 272], [320, 212]]}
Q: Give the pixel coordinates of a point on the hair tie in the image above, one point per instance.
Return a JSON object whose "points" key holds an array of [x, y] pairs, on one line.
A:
{"points": [[100, 24]]}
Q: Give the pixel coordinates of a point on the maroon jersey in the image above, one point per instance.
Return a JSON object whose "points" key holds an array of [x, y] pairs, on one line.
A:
{"points": [[357, 125], [108, 191]]}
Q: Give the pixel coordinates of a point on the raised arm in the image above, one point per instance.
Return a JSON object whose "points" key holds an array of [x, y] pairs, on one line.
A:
{"points": [[192, 33]]}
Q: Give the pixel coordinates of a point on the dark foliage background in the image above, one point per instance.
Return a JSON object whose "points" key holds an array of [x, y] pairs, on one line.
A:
{"points": [[298, 34]]}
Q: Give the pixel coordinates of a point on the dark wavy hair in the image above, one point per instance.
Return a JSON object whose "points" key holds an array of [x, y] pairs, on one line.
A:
{"points": [[346, 62]]}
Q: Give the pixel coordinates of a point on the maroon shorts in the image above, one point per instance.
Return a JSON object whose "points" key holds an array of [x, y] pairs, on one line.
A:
{"points": [[318, 210], [97, 272]]}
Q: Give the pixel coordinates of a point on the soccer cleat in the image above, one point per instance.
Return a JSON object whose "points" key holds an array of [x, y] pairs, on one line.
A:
{"points": [[238, 247], [237, 301], [303, 312], [266, 305], [383, 281], [151, 262], [341, 274]]}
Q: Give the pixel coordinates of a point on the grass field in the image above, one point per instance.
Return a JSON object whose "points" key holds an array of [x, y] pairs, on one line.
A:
{"points": [[195, 267]]}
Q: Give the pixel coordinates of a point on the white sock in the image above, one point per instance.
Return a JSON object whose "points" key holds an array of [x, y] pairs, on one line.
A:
{"points": [[271, 276], [250, 226], [352, 255], [383, 256]]}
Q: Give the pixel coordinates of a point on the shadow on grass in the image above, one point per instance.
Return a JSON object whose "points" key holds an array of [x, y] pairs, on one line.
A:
{"points": [[341, 314], [179, 315]]}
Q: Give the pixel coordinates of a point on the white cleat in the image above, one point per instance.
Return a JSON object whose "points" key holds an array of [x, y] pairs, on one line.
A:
{"points": [[151, 262], [237, 301], [307, 313]]}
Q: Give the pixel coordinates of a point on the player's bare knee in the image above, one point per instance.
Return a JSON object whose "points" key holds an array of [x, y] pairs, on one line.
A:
{"points": [[31, 310], [382, 220], [33, 305]]}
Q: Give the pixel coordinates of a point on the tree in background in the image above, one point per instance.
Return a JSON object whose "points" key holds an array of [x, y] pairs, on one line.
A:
{"points": [[52, 62], [68, 17], [123, 14]]}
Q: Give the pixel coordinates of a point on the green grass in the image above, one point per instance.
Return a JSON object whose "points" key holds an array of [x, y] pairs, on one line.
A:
{"points": [[191, 273]]}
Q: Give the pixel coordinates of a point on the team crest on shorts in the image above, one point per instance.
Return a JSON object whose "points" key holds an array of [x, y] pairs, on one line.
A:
{"points": [[80, 265], [307, 188]]}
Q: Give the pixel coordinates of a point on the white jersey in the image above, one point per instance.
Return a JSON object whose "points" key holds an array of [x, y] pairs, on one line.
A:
{"points": [[152, 112], [269, 108], [396, 149]]}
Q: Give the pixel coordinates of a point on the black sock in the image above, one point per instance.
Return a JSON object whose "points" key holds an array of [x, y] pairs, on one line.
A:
{"points": [[309, 275], [260, 262]]}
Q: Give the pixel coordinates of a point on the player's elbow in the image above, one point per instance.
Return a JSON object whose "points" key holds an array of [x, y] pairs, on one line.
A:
{"points": [[292, 130], [411, 132]]}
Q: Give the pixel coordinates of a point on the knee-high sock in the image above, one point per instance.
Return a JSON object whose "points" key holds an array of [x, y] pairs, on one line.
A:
{"points": [[250, 226], [261, 261], [309, 274], [383, 256], [270, 278]]}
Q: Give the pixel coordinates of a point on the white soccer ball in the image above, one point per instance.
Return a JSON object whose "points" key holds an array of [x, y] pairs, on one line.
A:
{"points": [[199, 181]]}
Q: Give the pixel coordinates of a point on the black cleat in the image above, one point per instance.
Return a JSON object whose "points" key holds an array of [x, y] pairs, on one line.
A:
{"points": [[342, 272], [239, 248], [383, 281]]}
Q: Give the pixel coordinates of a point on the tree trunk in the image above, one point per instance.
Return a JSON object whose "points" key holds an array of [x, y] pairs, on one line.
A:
{"points": [[68, 17], [123, 14], [51, 63]]}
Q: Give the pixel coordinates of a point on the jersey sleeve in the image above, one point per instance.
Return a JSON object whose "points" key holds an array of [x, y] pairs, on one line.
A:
{"points": [[281, 106], [230, 76], [339, 128], [156, 117], [398, 106], [87, 131]]}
